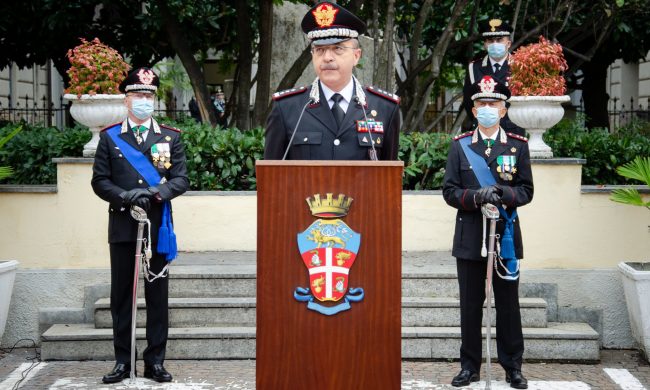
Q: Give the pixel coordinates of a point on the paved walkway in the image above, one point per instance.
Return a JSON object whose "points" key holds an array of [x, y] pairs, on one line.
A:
{"points": [[618, 370]]}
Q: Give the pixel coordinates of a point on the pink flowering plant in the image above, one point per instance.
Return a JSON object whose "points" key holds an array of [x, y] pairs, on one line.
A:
{"points": [[537, 70], [96, 69]]}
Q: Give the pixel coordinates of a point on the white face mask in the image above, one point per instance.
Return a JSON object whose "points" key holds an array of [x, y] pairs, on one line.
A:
{"points": [[142, 108], [487, 116]]}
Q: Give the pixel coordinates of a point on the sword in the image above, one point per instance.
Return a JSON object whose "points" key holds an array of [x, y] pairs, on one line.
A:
{"points": [[141, 216], [490, 212]]}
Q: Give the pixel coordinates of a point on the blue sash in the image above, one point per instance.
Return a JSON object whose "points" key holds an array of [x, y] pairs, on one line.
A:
{"points": [[485, 178], [166, 236]]}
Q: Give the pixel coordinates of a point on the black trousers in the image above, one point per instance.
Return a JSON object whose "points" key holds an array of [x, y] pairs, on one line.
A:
{"points": [[156, 297], [509, 337]]}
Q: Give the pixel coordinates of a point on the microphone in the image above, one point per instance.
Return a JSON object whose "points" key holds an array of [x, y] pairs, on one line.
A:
{"points": [[293, 134], [373, 152]]}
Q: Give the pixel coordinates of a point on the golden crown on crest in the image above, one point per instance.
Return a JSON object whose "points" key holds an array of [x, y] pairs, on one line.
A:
{"points": [[329, 207]]}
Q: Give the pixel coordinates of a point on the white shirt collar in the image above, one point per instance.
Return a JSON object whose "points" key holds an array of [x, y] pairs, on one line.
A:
{"points": [[346, 92], [145, 124], [493, 137], [503, 60]]}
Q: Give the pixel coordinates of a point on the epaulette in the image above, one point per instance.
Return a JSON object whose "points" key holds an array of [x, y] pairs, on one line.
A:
{"points": [[170, 128], [517, 136], [111, 126], [386, 95], [288, 92], [467, 134]]}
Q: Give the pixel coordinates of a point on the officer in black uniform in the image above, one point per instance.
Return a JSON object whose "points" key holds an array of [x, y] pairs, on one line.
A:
{"points": [[496, 41], [335, 118], [116, 181], [507, 157]]}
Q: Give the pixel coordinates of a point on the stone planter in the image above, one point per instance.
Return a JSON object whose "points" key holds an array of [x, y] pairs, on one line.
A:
{"points": [[7, 276], [537, 114], [636, 284], [96, 112]]}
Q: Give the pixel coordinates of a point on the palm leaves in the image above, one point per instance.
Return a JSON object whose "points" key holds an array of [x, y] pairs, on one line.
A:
{"points": [[638, 169], [7, 171]]}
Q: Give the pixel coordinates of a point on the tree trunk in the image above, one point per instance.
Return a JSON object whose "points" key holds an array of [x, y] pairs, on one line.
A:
{"points": [[384, 71], [594, 93], [176, 36], [263, 77], [244, 39]]}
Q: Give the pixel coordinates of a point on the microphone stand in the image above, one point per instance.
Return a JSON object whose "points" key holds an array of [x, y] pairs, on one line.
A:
{"points": [[293, 134]]}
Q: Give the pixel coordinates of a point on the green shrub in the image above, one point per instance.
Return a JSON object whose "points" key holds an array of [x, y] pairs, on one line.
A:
{"points": [[425, 157], [603, 151], [221, 159], [31, 151]]}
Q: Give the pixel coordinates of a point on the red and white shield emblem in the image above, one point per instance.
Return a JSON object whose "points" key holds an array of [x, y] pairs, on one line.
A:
{"points": [[328, 272]]}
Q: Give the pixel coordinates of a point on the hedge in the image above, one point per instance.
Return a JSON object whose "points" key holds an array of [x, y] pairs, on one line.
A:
{"points": [[224, 159]]}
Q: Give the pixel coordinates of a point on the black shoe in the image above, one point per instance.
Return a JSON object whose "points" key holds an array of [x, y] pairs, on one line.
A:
{"points": [[158, 373], [516, 379], [464, 378], [120, 371]]}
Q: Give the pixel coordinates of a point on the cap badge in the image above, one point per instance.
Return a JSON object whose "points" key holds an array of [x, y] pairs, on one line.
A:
{"points": [[487, 84], [146, 76], [494, 23], [325, 14]]}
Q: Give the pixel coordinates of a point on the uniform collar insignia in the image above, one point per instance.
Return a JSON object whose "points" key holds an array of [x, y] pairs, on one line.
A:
{"points": [[125, 127], [156, 127]]}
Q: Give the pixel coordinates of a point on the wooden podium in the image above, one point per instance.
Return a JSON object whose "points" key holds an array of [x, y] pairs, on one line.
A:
{"points": [[299, 348]]}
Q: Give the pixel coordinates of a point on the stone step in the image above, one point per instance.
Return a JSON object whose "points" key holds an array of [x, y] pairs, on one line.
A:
{"points": [[237, 311], [215, 281], [557, 342]]}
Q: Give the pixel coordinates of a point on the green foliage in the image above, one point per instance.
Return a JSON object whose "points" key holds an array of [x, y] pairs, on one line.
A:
{"points": [[425, 157], [638, 169], [221, 159], [31, 151], [604, 151], [8, 171]]}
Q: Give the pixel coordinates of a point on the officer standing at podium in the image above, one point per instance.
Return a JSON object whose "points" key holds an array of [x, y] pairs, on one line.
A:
{"points": [[335, 118]]}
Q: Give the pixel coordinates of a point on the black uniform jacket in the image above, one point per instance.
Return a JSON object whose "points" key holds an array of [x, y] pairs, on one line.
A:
{"points": [[460, 184], [113, 174], [482, 67], [318, 137]]}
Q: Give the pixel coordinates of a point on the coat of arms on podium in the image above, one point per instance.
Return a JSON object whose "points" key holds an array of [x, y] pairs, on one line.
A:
{"points": [[329, 248]]}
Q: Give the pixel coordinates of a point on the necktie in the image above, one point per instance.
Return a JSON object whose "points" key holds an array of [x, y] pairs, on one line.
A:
{"points": [[496, 68], [337, 110], [138, 131]]}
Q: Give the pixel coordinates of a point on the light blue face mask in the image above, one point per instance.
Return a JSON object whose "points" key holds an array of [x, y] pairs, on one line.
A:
{"points": [[497, 50], [487, 116], [142, 108]]}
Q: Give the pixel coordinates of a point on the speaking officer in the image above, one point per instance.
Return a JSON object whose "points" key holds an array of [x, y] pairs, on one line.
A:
{"points": [[335, 118], [496, 41], [119, 183], [505, 157]]}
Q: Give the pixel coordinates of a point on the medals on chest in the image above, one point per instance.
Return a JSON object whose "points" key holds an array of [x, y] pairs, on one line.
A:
{"points": [[506, 167], [161, 155]]}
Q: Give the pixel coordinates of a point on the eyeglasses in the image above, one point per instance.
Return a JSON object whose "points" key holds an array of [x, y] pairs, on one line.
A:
{"points": [[336, 49]]}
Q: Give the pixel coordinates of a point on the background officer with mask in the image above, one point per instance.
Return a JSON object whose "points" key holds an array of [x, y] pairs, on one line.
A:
{"points": [[496, 41], [118, 182]]}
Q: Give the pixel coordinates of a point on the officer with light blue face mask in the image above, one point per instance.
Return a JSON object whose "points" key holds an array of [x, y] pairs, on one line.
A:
{"points": [[496, 35], [139, 162], [486, 155]]}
